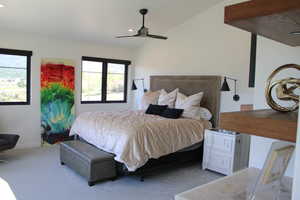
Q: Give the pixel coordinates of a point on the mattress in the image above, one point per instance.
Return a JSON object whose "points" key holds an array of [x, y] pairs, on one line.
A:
{"points": [[135, 137]]}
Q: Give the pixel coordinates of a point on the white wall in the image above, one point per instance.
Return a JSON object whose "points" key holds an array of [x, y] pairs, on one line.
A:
{"points": [[270, 55], [203, 45], [25, 120]]}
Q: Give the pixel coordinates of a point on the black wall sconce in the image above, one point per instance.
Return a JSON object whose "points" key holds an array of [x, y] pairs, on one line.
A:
{"points": [[134, 87], [225, 87]]}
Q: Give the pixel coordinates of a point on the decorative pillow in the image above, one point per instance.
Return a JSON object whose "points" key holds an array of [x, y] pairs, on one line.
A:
{"points": [[172, 113], [205, 113], [183, 101], [149, 98], [197, 113], [167, 98], [156, 109], [190, 104]]}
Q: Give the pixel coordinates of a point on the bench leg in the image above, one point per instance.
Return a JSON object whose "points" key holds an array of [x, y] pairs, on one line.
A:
{"points": [[142, 178], [91, 183]]}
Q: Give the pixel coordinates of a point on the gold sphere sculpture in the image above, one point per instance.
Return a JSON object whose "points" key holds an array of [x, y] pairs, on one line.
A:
{"points": [[284, 88]]}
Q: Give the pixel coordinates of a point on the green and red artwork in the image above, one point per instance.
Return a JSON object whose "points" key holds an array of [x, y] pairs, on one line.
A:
{"points": [[57, 99]]}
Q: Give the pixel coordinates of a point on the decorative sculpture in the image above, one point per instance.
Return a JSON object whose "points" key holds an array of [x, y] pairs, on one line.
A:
{"points": [[285, 90]]}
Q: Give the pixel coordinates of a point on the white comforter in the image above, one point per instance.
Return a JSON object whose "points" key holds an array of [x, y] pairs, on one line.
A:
{"points": [[135, 137]]}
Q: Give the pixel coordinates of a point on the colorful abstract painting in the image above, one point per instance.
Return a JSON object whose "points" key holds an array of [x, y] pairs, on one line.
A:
{"points": [[57, 99]]}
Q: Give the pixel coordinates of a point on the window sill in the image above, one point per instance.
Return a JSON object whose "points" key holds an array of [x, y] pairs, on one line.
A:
{"points": [[14, 103], [102, 102]]}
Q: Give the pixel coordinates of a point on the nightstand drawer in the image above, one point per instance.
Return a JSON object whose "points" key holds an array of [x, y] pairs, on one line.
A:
{"points": [[219, 142], [218, 162]]}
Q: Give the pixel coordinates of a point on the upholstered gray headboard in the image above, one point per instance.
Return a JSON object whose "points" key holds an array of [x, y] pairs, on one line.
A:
{"points": [[190, 85]]}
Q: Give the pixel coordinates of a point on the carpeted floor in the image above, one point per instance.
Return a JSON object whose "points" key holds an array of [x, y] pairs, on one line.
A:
{"points": [[35, 174]]}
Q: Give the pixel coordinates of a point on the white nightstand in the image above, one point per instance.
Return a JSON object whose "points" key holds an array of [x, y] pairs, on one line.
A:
{"points": [[225, 152]]}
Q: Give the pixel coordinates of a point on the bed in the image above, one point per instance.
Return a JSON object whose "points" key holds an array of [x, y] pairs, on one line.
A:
{"points": [[143, 142]]}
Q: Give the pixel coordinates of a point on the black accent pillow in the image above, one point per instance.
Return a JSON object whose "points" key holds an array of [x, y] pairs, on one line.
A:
{"points": [[172, 113], [156, 109]]}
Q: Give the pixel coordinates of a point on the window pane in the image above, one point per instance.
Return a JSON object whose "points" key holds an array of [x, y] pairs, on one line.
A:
{"points": [[115, 82], [91, 81], [13, 78]]}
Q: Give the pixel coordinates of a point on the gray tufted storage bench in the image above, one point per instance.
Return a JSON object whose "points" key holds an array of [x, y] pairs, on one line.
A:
{"points": [[88, 161]]}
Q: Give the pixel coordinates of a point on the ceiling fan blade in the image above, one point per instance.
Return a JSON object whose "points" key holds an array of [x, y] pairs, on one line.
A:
{"points": [[157, 37], [295, 33], [126, 36]]}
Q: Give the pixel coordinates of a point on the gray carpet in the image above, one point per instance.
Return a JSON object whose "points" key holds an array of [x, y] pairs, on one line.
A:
{"points": [[35, 174]]}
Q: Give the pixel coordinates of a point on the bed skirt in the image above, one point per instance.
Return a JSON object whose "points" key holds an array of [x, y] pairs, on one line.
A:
{"points": [[186, 155]]}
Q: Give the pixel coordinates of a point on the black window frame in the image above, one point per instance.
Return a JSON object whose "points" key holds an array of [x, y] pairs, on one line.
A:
{"points": [[105, 62], [28, 54]]}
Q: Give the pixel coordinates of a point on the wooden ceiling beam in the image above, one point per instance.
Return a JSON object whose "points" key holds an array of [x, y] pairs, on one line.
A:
{"points": [[257, 8], [274, 19]]}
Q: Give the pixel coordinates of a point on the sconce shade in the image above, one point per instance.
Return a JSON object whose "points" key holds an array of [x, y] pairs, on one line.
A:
{"points": [[133, 87], [225, 86]]}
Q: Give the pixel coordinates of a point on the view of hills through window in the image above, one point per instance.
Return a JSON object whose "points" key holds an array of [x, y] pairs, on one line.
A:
{"points": [[115, 82], [92, 81], [13, 78]]}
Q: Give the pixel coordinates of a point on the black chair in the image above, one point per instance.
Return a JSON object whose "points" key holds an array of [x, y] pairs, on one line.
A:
{"points": [[8, 141]]}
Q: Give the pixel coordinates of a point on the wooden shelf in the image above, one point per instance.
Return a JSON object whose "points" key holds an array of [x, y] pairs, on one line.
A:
{"points": [[265, 123], [273, 19]]}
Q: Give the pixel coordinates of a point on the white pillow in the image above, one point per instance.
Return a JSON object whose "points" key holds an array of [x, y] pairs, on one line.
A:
{"points": [[149, 98], [167, 98], [205, 113], [197, 113], [184, 102], [190, 105]]}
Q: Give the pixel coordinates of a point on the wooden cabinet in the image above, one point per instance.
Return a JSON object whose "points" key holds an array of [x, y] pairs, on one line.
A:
{"points": [[224, 152]]}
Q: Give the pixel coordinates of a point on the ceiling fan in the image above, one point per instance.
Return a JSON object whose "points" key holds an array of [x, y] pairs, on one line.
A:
{"points": [[295, 33], [144, 31]]}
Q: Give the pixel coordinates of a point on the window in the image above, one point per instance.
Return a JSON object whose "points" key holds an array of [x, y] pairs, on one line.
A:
{"points": [[104, 80], [91, 81], [115, 82], [15, 77]]}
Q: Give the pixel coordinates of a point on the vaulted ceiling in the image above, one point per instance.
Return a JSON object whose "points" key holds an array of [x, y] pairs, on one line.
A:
{"points": [[96, 21]]}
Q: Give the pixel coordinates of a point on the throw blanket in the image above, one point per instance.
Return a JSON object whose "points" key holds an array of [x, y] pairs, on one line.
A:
{"points": [[135, 137]]}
